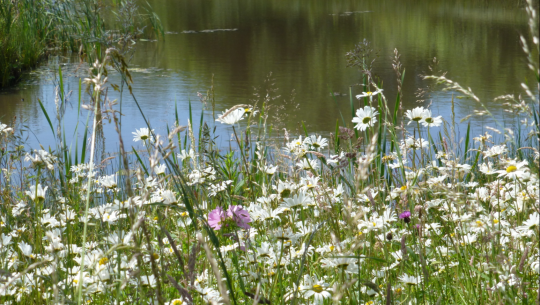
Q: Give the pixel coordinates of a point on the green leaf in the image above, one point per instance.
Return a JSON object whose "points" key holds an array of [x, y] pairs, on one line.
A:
{"points": [[140, 161], [46, 116], [467, 141]]}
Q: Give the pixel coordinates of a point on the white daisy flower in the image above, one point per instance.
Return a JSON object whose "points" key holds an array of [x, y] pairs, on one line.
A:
{"points": [[368, 94], [429, 120], [410, 280], [142, 134], [416, 115], [365, 118]]}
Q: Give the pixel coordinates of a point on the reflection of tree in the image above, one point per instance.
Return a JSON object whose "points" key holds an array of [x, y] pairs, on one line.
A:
{"points": [[305, 44]]}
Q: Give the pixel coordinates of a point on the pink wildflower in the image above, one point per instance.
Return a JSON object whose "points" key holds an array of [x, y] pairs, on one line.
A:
{"points": [[240, 216], [216, 218]]}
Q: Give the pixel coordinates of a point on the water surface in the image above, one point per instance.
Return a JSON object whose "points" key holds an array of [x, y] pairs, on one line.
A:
{"points": [[303, 45]]}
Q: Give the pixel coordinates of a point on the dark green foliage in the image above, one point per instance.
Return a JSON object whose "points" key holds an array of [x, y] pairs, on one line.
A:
{"points": [[30, 30]]}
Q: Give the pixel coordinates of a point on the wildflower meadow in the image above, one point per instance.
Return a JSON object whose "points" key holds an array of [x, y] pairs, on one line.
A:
{"points": [[393, 207]]}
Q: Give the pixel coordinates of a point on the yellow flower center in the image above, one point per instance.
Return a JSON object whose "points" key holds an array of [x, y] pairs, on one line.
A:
{"points": [[144, 137], [332, 248], [479, 223], [398, 290], [360, 233], [403, 187], [184, 214], [155, 255], [176, 302], [156, 218], [103, 261], [369, 93], [366, 120], [495, 221], [317, 288], [511, 169]]}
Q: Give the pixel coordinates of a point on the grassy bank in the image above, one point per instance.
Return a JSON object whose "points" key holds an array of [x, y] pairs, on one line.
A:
{"points": [[32, 29], [22, 39], [392, 208]]}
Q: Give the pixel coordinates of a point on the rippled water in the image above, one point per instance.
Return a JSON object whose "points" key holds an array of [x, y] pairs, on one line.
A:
{"points": [[303, 45]]}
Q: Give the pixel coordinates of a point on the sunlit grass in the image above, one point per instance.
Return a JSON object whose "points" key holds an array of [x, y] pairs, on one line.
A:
{"points": [[392, 208]]}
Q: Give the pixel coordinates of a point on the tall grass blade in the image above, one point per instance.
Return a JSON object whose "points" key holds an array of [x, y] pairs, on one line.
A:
{"points": [[46, 116]]}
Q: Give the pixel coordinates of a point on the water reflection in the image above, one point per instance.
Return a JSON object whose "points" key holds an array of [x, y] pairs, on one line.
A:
{"points": [[303, 44]]}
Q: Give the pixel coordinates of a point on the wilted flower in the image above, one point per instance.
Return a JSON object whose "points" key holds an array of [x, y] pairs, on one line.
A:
{"points": [[185, 155], [26, 249], [410, 280], [231, 117], [37, 192], [160, 169], [495, 150], [108, 181], [41, 159], [269, 169], [413, 143], [4, 128], [169, 197], [148, 280]]}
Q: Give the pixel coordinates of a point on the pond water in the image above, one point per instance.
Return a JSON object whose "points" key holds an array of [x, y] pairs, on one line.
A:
{"points": [[303, 45]]}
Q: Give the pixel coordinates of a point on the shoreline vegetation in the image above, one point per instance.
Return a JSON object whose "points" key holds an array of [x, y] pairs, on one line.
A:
{"points": [[392, 208], [30, 30]]}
